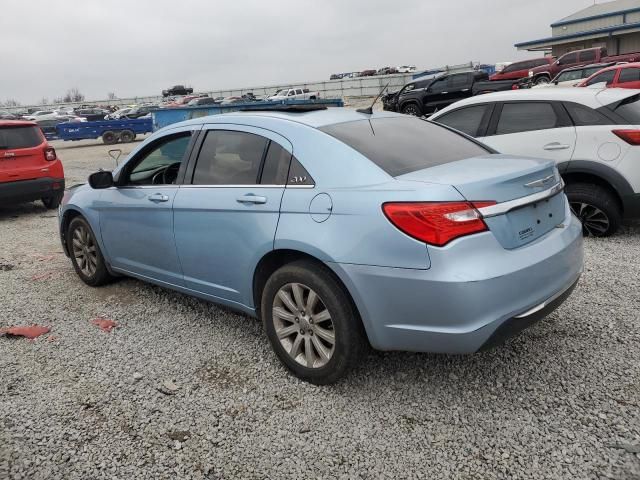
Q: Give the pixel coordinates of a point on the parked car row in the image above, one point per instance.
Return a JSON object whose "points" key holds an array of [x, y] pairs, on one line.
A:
{"points": [[592, 135], [371, 72]]}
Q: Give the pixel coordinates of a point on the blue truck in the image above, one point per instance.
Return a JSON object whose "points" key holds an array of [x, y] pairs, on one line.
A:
{"points": [[111, 131]]}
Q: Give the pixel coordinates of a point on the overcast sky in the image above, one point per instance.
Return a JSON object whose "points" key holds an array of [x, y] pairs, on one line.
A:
{"points": [[139, 47]]}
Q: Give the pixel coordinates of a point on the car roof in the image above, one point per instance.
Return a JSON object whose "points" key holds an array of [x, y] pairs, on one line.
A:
{"points": [[315, 118], [591, 97], [622, 65], [17, 123]]}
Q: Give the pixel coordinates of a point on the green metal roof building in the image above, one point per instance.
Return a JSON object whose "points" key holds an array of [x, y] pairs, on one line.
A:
{"points": [[615, 25]]}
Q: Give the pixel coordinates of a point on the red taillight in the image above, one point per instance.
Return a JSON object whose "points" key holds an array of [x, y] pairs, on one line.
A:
{"points": [[632, 137], [50, 154], [437, 223]]}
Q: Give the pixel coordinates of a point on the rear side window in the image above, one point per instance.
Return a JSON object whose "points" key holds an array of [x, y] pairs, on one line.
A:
{"points": [[276, 165], [629, 75], [523, 117], [20, 137], [606, 77], [584, 116], [400, 145], [466, 120], [629, 110], [229, 158]]}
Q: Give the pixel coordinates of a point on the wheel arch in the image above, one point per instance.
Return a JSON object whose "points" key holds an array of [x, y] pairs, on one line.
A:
{"points": [[275, 259], [67, 217], [594, 172]]}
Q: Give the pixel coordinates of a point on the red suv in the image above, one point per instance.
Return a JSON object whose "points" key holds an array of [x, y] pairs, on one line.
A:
{"points": [[29, 167], [617, 76]]}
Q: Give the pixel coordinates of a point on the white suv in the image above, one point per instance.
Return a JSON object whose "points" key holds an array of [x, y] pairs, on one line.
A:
{"points": [[593, 135]]}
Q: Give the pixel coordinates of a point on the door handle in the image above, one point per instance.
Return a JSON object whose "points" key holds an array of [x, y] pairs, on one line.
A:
{"points": [[251, 198], [465, 89], [158, 197], [555, 146], [444, 93]]}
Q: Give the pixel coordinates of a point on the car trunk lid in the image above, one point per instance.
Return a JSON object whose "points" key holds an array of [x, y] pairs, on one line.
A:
{"points": [[527, 192]]}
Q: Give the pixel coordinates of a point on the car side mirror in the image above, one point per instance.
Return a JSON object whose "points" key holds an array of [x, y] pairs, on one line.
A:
{"points": [[101, 179]]}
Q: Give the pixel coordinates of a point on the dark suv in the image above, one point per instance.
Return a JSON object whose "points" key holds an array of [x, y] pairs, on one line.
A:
{"points": [[177, 90], [440, 92]]}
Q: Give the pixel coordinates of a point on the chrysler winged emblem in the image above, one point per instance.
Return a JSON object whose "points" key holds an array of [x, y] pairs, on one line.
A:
{"points": [[540, 183]]}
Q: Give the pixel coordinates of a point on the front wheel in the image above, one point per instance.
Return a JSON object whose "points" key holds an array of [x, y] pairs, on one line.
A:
{"points": [[311, 323], [596, 207], [85, 253], [542, 80], [109, 138], [411, 109]]}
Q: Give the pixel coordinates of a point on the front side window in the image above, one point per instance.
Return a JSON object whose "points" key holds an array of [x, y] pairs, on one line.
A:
{"points": [[568, 76], [466, 120], [459, 81], [400, 145], [588, 56], [568, 58], [629, 75], [604, 77], [526, 116], [438, 86], [229, 158], [159, 164]]}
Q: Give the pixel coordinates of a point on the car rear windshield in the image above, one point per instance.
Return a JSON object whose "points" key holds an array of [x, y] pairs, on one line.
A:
{"points": [[402, 145], [19, 137], [628, 109]]}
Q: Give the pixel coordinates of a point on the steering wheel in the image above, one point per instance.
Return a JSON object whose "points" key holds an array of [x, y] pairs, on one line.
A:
{"points": [[170, 174]]}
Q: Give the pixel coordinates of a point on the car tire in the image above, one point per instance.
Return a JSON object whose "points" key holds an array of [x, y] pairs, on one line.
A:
{"points": [[52, 202], [330, 336], [596, 207], [127, 136], [411, 109], [82, 244], [109, 138], [542, 80]]}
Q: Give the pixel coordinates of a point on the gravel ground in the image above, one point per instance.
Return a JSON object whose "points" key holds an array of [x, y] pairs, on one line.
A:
{"points": [[184, 389]]}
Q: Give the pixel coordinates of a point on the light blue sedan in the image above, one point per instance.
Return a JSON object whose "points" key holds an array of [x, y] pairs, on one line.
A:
{"points": [[339, 229]]}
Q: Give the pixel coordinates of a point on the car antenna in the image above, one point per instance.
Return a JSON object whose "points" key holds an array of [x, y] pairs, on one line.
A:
{"points": [[369, 110]]}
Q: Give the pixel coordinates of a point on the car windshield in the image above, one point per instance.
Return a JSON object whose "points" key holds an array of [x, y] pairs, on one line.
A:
{"points": [[400, 145], [19, 137]]}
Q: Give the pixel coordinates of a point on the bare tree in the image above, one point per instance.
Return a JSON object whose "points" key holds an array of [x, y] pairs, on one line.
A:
{"points": [[43, 101], [73, 95], [111, 96], [10, 102]]}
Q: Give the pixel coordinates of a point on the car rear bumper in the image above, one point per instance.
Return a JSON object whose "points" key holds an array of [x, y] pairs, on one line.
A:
{"points": [[475, 293], [30, 190]]}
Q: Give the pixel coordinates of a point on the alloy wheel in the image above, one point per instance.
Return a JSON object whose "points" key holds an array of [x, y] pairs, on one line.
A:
{"points": [[84, 251], [594, 221], [303, 325]]}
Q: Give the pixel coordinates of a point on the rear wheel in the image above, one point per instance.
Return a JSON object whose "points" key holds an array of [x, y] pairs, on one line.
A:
{"points": [[411, 109], [596, 207], [85, 253], [109, 137], [52, 202], [126, 136], [311, 323]]}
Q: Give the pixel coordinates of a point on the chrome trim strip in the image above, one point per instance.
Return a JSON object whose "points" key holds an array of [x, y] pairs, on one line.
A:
{"points": [[253, 185], [504, 207]]}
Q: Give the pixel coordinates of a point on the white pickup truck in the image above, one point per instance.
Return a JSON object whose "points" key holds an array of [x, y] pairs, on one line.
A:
{"points": [[294, 94]]}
